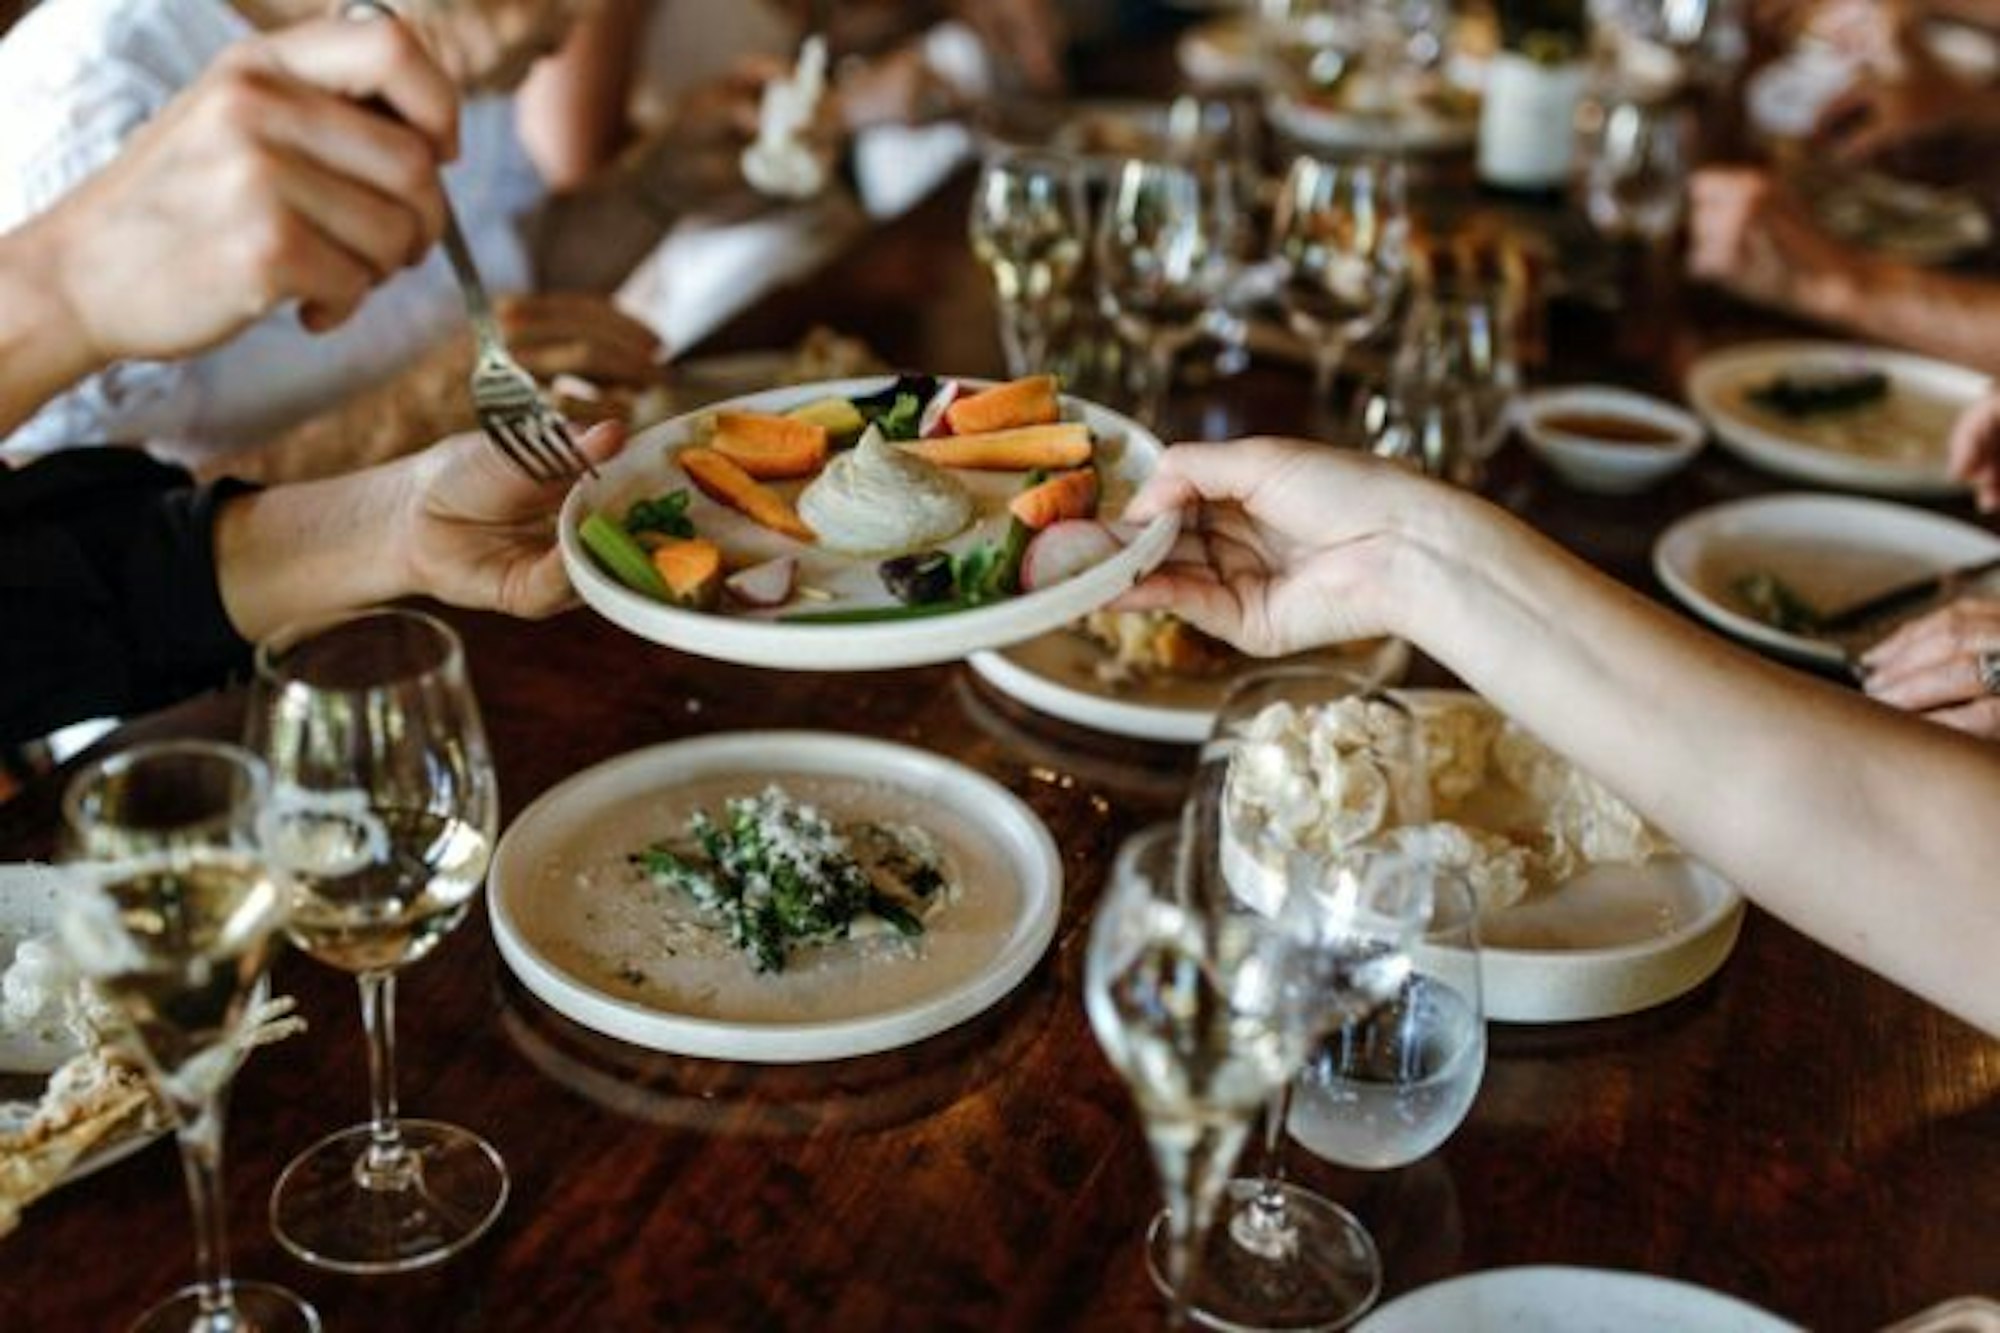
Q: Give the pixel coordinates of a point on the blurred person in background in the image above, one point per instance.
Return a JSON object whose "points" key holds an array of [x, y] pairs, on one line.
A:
{"points": [[266, 183]]}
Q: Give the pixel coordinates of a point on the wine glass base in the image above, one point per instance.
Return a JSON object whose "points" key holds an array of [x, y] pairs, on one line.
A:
{"points": [[323, 1212], [1329, 1279], [260, 1308]]}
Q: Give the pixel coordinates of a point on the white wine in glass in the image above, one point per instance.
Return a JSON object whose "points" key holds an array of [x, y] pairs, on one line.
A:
{"points": [[384, 812], [1027, 228], [175, 931]]}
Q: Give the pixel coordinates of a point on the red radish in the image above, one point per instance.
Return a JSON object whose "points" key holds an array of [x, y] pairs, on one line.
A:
{"points": [[768, 584], [1064, 550], [933, 423]]}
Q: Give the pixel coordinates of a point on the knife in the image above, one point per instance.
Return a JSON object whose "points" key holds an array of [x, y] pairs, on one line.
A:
{"points": [[1903, 596]]}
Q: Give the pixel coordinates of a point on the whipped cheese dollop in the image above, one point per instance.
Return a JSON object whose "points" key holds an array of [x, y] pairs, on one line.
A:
{"points": [[878, 500]]}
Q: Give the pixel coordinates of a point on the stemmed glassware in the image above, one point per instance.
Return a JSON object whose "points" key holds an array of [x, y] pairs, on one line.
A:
{"points": [[175, 933], [1339, 241], [384, 811], [1637, 155], [1288, 1257], [1162, 260], [1451, 383], [1028, 228]]}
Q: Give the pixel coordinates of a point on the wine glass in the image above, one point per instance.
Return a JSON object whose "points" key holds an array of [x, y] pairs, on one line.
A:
{"points": [[175, 933], [1634, 175], [1391, 1084], [1162, 260], [1339, 242], [1291, 1258], [1191, 994], [1459, 336], [1028, 229], [1432, 427], [384, 812]]}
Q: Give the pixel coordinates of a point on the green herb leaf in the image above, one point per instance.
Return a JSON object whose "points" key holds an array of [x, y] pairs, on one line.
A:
{"points": [[666, 514]]}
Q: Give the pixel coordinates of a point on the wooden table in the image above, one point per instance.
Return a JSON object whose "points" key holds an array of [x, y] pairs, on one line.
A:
{"points": [[1796, 1132]]}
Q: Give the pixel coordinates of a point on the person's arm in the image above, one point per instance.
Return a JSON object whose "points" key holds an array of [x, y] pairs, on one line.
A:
{"points": [[267, 181], [1869, 830], [1747, 233], [572, 110]]}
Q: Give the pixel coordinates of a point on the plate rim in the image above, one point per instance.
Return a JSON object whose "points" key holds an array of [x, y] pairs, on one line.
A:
{"points": [[863, 647], [1809, 463], [1690, 527], [1416, 1297], [796, 1042]]}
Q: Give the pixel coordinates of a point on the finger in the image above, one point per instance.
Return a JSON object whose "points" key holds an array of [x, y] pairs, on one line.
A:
{"points": [[1980, 718], [372, 150], [540, 589], [1197, 598], [363, 61], [1952, 681], [1975, 440], [377, 230], [1970, 624], [299, 262]]}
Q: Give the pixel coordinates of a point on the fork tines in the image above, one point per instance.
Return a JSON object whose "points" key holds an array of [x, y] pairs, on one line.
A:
{"points": [[532, 436]]}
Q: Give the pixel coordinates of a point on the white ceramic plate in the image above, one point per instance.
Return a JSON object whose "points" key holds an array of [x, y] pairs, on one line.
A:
{"points": [[29, 895], [1832, 550], [575, 924], [1924, 398], [1568, 1300], [1126, 454], [1057, 674]]}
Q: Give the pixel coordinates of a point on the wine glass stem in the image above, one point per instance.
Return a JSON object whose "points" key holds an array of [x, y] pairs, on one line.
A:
{"points": [[199, 1135], [1326, 369], [1159, 378], [387, 1164], [1264, 1225]]}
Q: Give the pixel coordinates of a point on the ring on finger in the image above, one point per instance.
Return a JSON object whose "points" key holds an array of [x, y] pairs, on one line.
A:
{"points": [[1989, 671]]}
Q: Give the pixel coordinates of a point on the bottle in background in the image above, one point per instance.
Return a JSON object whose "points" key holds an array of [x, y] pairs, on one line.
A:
{"points": [[1536, 79]]}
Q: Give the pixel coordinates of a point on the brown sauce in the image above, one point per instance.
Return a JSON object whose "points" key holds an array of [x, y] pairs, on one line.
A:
{"points": [[1607, 428]]}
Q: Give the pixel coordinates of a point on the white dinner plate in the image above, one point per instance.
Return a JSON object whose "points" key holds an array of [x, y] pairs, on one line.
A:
{"points": [[1834, 551], [29, 898], [1057, 674], [1568, 1300], [584, 932], [1925, 396], [1126, 454]]}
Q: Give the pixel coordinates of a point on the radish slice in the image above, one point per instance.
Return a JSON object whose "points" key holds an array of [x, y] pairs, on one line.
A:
{"points": [[768, 584], [932, 423], [1064, 550]]}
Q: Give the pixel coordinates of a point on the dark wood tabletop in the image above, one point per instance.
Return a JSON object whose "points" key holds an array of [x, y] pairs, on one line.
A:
{"points": [[1796, 1131]]}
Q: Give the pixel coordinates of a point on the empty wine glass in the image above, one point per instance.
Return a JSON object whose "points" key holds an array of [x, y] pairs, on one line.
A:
{"points": [[175, 932], [1431, 426], [384, 812], [1634, 173], [1391, 1084], [1027, 228], [1162, 261], [1290, 1258], [1191, 994], [1339, 241]]}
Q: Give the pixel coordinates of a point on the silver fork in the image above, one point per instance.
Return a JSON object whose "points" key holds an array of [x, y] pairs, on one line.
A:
{"points": [[510, 406]]}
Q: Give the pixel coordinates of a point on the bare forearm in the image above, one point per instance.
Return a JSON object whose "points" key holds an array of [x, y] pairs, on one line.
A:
{"points": [[1940, 314], [43, 350], [1871, 831], [572, 109], [310, 549]]}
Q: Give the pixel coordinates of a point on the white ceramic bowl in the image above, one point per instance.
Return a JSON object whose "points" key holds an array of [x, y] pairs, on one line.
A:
{"points": [[1602, 466]]}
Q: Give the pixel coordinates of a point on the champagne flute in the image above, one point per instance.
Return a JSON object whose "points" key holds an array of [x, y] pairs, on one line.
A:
{"points": [[1390, 1085], [1291, 1258], [1162, 260], [1339, 239], [1189, 992], [384, 811], [175, 934], [1028, 229]]}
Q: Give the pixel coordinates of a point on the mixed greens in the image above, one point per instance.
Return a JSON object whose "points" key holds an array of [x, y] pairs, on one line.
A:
{"points": [[1776, 603], [1798, 394], [777, 874]]}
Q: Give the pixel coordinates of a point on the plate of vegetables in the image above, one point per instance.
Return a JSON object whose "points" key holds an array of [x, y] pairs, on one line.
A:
{"points": [[1837, 414], [775, 896], [866, 523]]}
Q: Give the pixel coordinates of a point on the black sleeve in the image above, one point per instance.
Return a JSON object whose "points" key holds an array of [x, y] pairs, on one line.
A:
{"points": [[108, 596]]}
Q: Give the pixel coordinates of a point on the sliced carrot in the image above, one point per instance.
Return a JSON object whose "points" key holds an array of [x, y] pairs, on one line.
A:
{"points": [[767, 428], [725, 483], [768, 459], [1065, 444], [691, 567], [1071, 495], [1033, 401]]}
